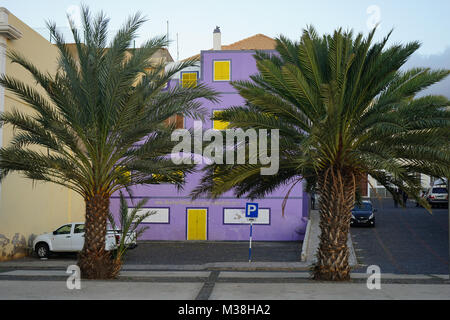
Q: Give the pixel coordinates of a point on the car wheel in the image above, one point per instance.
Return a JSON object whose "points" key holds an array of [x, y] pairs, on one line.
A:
{"points": [[42, 250], [113, 254]]}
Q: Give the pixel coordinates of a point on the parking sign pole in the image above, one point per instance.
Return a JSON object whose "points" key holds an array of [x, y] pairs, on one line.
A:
{"points": [[250, 243], [251, 213]]}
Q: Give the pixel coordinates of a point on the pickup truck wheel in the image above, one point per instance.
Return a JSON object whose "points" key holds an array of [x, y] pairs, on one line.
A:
{"points": [[112, 254], [42, 250]]}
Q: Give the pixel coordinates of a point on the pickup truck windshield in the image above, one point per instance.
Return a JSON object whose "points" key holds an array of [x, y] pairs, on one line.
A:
{"points": [[64, 229]]}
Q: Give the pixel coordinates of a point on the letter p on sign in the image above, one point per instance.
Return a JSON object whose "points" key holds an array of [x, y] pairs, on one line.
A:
{"points": [[251, 210]]}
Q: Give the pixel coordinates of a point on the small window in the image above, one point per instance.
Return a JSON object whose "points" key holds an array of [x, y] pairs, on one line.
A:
{"points": [[64, 229], [79, 228], [177, 120], [215, 178], [166, 178], [125, 176], [189, 79], [217, 124], [222, 71]]}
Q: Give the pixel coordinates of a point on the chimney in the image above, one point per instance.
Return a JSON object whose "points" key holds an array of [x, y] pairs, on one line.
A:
{"points": [[217, 39]]}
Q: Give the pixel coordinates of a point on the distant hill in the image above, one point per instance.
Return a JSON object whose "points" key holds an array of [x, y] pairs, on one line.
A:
{"points": [[438, 61]]}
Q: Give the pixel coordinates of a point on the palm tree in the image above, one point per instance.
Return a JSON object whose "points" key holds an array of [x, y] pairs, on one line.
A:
{"points": [[343, 109], [129, 226], [100, 123]]}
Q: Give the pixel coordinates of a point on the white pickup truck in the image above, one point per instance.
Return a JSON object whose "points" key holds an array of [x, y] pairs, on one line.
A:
{"points": [[70, 238]]}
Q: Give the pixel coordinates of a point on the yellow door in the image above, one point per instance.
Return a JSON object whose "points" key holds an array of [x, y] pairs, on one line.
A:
{"points": [[197, 225]]}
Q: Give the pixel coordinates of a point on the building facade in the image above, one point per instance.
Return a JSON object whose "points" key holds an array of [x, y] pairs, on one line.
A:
{"points": [[26, 208], [377, 190], [177, 216], [30, 208]]}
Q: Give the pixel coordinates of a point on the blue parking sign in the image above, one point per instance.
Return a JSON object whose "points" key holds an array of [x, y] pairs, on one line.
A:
{"points": [[251, 210]]}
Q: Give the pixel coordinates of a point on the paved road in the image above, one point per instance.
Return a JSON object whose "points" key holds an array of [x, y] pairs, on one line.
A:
{"points": [[407, 241]]}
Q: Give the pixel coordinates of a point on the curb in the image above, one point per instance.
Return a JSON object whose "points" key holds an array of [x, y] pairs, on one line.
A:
{"points": [[230, 276], [223, 266], [305, 244], [311, 242]]}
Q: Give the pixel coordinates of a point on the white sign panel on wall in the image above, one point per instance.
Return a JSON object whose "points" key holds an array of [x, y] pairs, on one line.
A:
{"points": [[237, 216], [161, 215]]}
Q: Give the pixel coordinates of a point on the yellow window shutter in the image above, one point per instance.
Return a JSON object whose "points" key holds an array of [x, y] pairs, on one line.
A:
{"points": [[222, 71], [125, 175], [217, 124], [189, 79]]}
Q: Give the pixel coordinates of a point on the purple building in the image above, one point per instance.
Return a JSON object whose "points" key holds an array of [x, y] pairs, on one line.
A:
{"points": [[177, 216]]}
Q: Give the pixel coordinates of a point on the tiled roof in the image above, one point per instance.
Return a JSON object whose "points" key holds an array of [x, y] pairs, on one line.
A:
{"points": [[257, 42]]}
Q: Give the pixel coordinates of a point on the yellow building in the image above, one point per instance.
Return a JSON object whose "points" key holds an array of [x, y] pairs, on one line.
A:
{"points": [[30, 208]]}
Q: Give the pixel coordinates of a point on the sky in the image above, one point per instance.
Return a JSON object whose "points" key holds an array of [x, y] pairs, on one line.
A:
{"points": [[195, 20]]}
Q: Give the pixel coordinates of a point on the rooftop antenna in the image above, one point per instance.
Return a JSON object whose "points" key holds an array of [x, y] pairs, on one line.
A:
{"points": [[167, 37], [178, 50]]}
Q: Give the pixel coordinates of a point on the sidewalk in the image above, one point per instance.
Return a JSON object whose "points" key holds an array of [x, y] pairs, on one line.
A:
{"points": [[217, 285], [135, 274], [241, 266], [329, 291]]}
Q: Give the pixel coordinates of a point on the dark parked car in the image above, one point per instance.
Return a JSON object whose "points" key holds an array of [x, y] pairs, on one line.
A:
{"points": [[363, 214]]}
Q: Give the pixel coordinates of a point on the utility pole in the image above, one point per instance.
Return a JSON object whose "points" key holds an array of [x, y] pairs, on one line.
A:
{"points": [[167, 37], [178, 51]]}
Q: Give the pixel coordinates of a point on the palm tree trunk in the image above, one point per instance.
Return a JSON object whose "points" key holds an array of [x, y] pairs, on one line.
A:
{"points": [[337, 197], [94, 261]]}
